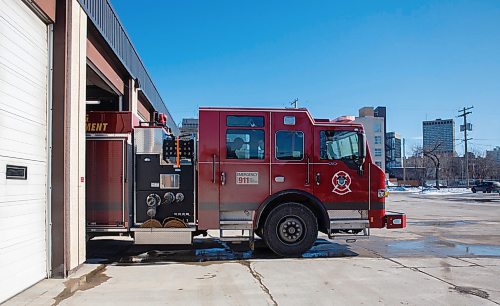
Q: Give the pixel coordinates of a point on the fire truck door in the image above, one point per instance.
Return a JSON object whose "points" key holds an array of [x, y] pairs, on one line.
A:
{"points": [[244, 161], [292, 144], [339, 181]]}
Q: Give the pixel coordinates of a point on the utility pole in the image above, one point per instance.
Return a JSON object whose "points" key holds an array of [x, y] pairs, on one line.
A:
{"points": [[464, 112], [404, 162]]}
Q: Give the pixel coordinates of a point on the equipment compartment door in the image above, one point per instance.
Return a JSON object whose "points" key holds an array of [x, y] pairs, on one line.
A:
{"points": [[338, 179], [244, 160], [105, 206]]}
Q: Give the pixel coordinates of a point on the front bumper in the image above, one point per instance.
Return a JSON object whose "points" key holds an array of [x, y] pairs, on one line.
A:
{"points": [[395, 220]]}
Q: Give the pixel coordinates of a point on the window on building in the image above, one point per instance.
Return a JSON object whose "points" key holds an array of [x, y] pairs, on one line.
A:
{"points": [[289, 145], [245, 144], [377, 127], [378, 139], [378, 152], [245, 121], [339, 145]]}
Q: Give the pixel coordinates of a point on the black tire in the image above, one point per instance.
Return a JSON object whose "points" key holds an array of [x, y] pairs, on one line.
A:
{"points": [[488, 190], [290, 229], [474, 190], [258, 232]]}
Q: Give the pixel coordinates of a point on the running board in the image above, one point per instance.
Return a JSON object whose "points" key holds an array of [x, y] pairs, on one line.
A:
{"points": [[347, 228], [236, 231], [349, 237], [344, 224]]}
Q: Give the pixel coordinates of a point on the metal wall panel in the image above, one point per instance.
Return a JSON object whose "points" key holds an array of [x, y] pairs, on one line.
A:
{"points": [[23, 142]]}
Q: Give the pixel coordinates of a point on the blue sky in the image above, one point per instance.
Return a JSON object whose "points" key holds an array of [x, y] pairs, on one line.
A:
{"points": [[420, 59]]}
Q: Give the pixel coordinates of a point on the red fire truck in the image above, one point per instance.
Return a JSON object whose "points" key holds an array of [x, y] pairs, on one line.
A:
{"points": [[276, 173]]}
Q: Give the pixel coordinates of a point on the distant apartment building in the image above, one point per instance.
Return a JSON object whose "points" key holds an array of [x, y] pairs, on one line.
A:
{"points": [[189, 125], [439, 135], [393, 147], [493, 154], [375, 134]]}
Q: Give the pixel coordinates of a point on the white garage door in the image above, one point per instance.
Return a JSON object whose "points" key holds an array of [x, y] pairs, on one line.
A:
{"points": [[23, 146]]}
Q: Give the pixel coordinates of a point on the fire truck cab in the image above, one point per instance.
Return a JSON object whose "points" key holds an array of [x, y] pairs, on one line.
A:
{"points": [[276, 173]]}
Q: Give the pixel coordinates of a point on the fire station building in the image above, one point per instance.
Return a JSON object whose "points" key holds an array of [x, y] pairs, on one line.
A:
{"points": [[59, 59]]}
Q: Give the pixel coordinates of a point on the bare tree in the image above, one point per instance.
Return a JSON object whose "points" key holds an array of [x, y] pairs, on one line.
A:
{"points": [[433, 155], [484, 167]]}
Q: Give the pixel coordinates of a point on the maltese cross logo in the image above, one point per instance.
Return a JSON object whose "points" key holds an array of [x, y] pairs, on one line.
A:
{"points": [[341, 182]]}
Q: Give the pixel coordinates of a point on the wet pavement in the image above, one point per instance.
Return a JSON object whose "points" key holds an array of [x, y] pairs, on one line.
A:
{"points": [[124, 252], [449, 254]]}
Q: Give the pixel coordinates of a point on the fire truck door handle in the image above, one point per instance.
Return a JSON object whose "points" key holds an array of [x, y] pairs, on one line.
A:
{"points": [[223, 178], [213, 169], [318, 178], [308, 170]]}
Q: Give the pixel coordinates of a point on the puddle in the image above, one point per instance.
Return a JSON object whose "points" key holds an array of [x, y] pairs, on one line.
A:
{"points": [[441, 247], [215, 254], [473, 291], [324, 248], [443, 223], [85, 282], [483, 199], [486, 200], [214, 250], [97, 260]]}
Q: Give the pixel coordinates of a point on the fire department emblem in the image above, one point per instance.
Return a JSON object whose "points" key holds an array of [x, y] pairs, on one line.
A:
{"points": [[341, 182]]}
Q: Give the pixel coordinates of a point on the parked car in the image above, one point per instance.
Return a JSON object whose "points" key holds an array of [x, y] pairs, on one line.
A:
{"points": [[486, 186]]}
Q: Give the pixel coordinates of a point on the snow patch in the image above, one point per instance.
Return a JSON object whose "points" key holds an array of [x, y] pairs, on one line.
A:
{"points": [[428, 191]]}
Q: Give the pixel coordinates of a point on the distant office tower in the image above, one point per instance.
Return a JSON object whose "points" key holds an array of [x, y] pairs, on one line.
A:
{"points": [[375, 134], [439, 135], [189, 125], [393, 150]]}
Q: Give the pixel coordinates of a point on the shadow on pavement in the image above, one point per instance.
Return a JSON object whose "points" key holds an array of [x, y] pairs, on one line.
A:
{"points": [[124, 252]]}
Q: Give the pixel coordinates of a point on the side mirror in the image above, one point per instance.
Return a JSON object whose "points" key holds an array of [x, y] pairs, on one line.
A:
{"points": [[362, 148]]}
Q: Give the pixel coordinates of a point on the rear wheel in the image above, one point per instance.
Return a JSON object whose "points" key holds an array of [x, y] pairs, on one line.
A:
{"points": [[290, 229], [474, 190]]}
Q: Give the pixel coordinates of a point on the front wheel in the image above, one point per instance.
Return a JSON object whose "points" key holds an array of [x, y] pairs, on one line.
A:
{"points": [[290, 229]]}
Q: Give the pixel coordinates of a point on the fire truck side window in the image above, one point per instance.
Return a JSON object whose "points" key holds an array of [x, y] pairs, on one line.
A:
{"points": [[245, 121], [245, 144], [289, 145], [339, 145]]}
